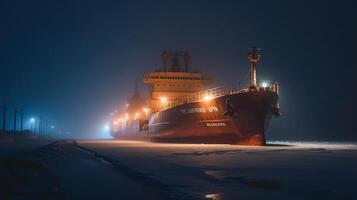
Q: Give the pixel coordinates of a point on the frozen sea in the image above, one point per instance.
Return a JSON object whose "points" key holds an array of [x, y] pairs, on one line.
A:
{"points": [[109, 169], [288, 170]]}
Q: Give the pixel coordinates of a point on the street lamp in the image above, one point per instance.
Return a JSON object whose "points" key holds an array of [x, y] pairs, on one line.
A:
{"points": [[33, 123], [106, 128]]}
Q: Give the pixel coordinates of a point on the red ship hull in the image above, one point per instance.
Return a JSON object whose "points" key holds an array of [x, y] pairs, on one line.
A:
{"points": [[242, 119]]}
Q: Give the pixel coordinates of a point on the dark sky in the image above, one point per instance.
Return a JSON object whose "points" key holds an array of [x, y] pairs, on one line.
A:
{"points": [[74, 62]]}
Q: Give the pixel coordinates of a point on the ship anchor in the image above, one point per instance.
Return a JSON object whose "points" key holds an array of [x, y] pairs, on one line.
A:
{"points": [[231, 111]]}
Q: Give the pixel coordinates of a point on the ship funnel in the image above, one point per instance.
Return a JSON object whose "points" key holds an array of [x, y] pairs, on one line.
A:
{"points": [[174, 57], [253, 57]]}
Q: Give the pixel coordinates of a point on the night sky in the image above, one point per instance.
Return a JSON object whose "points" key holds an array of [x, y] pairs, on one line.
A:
{"points": [[74, 62]]}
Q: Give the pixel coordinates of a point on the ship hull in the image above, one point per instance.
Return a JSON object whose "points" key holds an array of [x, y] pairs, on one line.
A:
{"points": [[240, 118]]}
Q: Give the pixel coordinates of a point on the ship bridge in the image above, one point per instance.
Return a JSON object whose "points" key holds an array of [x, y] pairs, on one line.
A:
{"points": [[171, 81]]}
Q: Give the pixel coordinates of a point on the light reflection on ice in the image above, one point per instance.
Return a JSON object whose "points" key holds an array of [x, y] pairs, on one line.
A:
{"points": [[216, 196], [270, 145], [314, 144], [218, 174]]}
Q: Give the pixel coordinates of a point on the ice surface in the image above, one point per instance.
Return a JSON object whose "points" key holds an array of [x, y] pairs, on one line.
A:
{"points": [[291, 170], [40, 169], [109, 169]]}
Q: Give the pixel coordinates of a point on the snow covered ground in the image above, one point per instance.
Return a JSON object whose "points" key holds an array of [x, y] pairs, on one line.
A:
{"points": [[46, 169], [107, 169]]}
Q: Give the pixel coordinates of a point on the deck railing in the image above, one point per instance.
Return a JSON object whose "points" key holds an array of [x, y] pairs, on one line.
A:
{"points": [[214, 93], [203, 95]]}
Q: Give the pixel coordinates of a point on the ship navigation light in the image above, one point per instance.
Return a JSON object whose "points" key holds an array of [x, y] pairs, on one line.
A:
{"points": [[265, 84]]}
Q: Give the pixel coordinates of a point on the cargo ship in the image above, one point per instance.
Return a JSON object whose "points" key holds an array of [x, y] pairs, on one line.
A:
{"points": [[178, 109]]}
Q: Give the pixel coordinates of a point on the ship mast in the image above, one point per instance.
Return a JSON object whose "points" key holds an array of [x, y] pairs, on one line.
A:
{"points": [[253, 57], [165, 59], [186, 59]]}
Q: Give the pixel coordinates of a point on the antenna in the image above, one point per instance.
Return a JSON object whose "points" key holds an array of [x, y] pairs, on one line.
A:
{"points": [[186, 59], [136, 86], [175, 61], [253, 57]]}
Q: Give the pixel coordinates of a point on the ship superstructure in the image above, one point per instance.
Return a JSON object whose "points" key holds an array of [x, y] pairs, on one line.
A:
{"points": [[171, 81], [178, 109]]}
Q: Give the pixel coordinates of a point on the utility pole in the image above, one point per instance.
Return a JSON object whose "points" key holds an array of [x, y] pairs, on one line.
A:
{"points": [[15, 113], [22, 120], [4, 117], [39, 126], [46, 127]]}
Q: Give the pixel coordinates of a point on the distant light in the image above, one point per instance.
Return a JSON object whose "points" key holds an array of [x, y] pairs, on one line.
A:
{"points": [[217, 196], [137, 115], [52, 127], [127, 105], [264, 84], [207, 97], [146, 110], [106, 128], [163, 100], [32, 120]]}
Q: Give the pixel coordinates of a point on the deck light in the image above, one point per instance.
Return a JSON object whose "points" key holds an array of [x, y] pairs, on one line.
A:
{"points": [[264, 84], [146, 110], [163, 100], [207, 97]]}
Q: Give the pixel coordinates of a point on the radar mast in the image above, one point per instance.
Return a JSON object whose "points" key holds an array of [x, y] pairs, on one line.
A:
{"points": [[253, 57]]}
